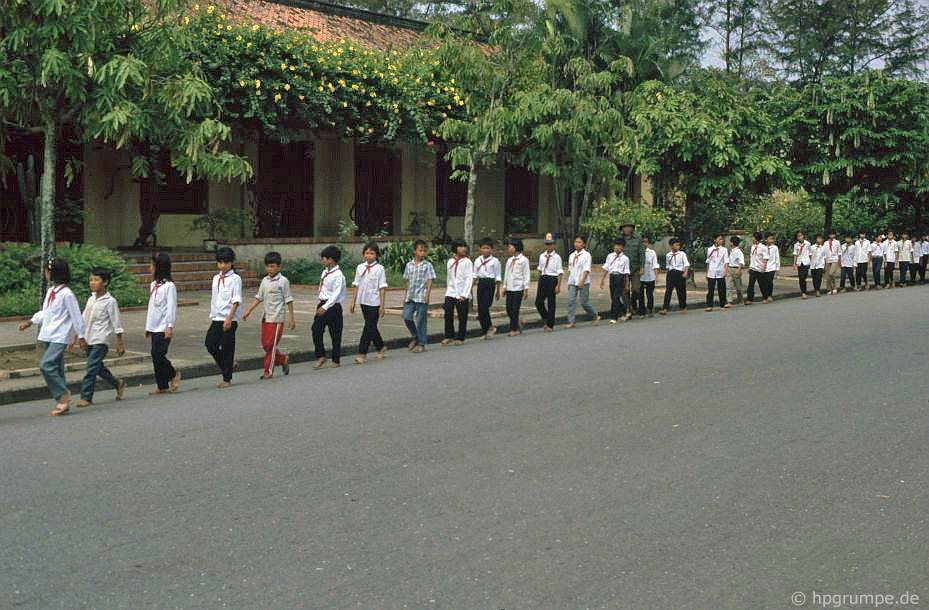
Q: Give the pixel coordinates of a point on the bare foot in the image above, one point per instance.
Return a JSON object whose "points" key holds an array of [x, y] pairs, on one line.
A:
{"points": [[120, 388], [319, 363], [176, 382]]}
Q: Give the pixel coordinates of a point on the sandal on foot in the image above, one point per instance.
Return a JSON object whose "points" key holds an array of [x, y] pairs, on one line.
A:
{"points": [[381, 352], [319, 363], [360, 360], [176, 381], [83, 403], [62, 408]]}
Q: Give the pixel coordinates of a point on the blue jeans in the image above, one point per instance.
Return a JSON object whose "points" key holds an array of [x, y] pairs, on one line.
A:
{"points": [[52, 366], [95, 356], [417, 327], [585, 302]]}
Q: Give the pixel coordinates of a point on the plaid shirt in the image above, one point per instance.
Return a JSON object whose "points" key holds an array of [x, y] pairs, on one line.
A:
{"points": [[417, 276]]}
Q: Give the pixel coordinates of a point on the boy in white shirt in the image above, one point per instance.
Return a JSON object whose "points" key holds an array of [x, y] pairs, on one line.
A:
{"points": [[891, 251], [905, 257], [370, 292], [758, 263], [833, 257], [224, 315], [774, 265], [676, 278], [550, 272], [274, 292], [849, 254], [917, 259], [924, 258], [101, 319], [329, 310], [159, 324], [876, 258], [817, 264], [60, 316], [650, 267], [579, 265], [802, 261], [862, 252], [516, 283], [717, 267], [458, 283], [488, 277], [616, 267], [736, 264]]}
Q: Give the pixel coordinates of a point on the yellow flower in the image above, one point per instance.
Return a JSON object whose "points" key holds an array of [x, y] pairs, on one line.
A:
{"points": [[238, 38], [370, 130], [210, 9], [277, 97], [228, 28], [292, 68], [430, 103], [257, 84], [196, 7], [355, 86], [283, 66], [373, 94], [320, 87], [256, 27], [241, 83], [444, 115], [341, 82], [453, 81], [286, 86], [658, 95], [345, 104], [186, 20], [449, 106], [368, 104], [301, 97], [331, 87], [248, 45]]}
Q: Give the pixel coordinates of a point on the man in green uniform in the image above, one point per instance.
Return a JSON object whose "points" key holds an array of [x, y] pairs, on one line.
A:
{"points": [[635, 250]]}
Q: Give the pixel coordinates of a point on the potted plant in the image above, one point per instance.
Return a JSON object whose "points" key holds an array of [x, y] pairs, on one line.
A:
{"points": [[219, 224]]}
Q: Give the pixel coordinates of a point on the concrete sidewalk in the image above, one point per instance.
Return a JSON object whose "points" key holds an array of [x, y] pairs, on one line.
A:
{"points": [[190, 356]]}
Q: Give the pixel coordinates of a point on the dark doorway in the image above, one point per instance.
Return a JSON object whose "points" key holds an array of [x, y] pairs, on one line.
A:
{"points": [[285, 189], [522, 200], [377, 189]]}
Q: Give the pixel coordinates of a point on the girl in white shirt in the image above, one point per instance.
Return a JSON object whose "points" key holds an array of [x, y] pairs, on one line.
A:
{"points": [[370, 291], [516, 283], [60, 317], [802, 261], [159, 323], [459, 279], [817, 264], [891, 250], [876, 258], [646, 296]]}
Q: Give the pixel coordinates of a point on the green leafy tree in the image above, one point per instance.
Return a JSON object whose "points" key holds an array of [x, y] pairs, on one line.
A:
{"points": [[110, 70]]}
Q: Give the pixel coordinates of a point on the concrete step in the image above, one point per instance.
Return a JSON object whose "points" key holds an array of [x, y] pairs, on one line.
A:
{"points": [[190, 271], [180, 266], [190, 276]]}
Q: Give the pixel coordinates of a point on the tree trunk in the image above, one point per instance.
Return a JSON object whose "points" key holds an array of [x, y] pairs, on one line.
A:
{"points": [[469, 206], [47, 196], [728, 49], [827, 224]]}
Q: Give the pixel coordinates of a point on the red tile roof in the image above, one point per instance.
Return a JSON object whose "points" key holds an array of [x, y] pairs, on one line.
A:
{"points": [[327, 21]]}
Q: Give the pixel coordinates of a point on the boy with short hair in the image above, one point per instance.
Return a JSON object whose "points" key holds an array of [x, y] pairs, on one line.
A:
{"points": [[370, 292], [488, 276], [876, 258], [758, 262], [329, 310], [833, 255], [458, 283], [516, 283], [817, 263], [736, 263], [862, 252], [774, 265], [906, 258], [924, 258], [274, 292], [717, 268], [849, 253], [616, 267], [101, 319], [802, 261], [224, 315], [650, 267], [579, 265], [891, 251], [678, 266], [417, 281], [550, 272]]}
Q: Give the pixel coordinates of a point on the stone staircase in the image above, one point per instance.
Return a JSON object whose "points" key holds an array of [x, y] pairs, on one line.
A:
{"points": [[190, 271]]}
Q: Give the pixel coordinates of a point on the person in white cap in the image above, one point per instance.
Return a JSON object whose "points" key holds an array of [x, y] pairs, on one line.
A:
{"points": [[550, 272]]}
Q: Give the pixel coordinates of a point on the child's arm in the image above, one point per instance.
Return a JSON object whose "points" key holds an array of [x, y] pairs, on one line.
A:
{"points": [[499, 283], [290, 312], [351, 308], [603, 277], [251, 308], [428, 290], [171, 298], [117, 323], [236, 301], [383, 291]]}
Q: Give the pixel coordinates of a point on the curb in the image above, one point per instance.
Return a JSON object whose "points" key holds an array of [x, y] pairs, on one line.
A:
{"points": [[256, 363]]}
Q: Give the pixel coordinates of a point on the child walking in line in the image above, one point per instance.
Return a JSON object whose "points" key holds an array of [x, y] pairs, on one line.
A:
{"points": [[59, 317], [417, 282], [817, 264], [717, 267], [924, 258], [650, 267], [101, 319], [802, 261], [329, 309], [905, 257], [459, 279], [862, 254], [159, 324], [833, 254], [371, 293], [579, 265], [758, 263], [550, 272], [274, 292], [774, 265], [516, 284], [224, 315], [849, 254], [616, 267], [736, 264], [891, 251], [917, 258], [488, 277], [876, 258], [677, 266]]}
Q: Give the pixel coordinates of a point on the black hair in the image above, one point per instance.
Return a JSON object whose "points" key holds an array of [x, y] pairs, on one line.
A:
{"points": [[331, 252], [758, 235], [273, 258], [458, 243], [735, 240], [59, 270], [619, 242], [581, 237], [818, 236], [420, 242], [799, 233], [673, 241], [715, 235], [832, 232], [487, 242], [848, 235], [225, 255], [103, 274], [517, 244], [373, 247], [162, 263], [862, 232]]}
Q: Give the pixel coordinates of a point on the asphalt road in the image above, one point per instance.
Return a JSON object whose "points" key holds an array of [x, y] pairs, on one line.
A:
{"points": [[722, 460]]}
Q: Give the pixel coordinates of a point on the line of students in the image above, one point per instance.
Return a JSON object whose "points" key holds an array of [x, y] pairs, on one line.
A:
{"points": [[63, 325]]}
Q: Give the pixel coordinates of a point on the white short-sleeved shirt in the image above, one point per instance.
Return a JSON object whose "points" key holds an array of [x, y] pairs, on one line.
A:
{"points": [[906, 251], [487, 268], [759, 257], [332, 287], [817, 256], [369, 279], [616, 263], [101, 319], [862, 248], [650, 267], [833, 250], [227, 291], [774, 258], [877, 250], [676, 261], [578, 263], [162, 307], [460, 277], [849, 253], [518, 273], [550, 264], [736, 258], [60, 316], [891, 248], [717, 257], [274, 294], [802, 253]]}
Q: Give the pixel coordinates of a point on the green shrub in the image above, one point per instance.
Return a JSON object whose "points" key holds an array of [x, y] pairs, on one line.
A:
{"points": [[302, 270], [396, 254], [603, 223], [20, 303], [849, 216], [782, 214]]}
